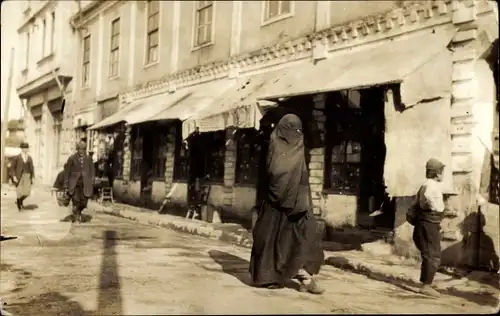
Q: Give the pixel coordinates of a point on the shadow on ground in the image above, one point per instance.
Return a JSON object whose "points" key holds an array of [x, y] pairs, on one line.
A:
{"points": [[30, 207], [85, 218], [110, 299], [483, 298], [238, 268], [53, 303]]}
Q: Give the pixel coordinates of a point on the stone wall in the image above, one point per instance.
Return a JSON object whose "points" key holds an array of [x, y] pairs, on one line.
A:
{"points": [[316, 163]]}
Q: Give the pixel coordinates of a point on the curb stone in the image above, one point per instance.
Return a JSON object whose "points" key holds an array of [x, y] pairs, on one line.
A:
{"points": [[241, 237], [194, 227]]}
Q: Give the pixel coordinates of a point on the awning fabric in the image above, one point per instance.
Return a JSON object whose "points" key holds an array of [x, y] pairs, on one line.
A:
{"points": [[237, 107], [117, 117], [178, 105], [150, 107], [396, 61], [196, 99]]}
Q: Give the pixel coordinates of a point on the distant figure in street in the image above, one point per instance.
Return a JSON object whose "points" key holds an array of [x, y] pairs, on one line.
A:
{"points": [[286, 243], [79, 179], [23, 172], [429, 207]]}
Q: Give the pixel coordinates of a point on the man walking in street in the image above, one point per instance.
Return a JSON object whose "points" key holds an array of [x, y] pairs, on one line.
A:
{"points": [[79, 179], [23, 172], [429, 207]]}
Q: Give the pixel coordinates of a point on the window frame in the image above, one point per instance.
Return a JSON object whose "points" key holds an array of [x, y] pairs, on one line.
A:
{"points": [[114, 50], [254, 155], [266, 19], [44, 38], [28, 48], [149, 33], [181, 163], [160, 143], [335, 138], [136, 161], [53, 32], [86, 63], [197, 10]]}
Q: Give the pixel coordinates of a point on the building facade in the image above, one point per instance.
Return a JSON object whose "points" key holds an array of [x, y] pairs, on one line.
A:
{"points": [[381, 86], [44, 84]]}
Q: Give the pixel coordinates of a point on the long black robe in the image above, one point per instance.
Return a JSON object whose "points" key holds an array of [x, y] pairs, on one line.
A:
{"points": [[285, 236]]}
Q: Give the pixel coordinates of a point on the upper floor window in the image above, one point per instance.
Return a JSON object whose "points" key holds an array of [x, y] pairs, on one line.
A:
{"points": [[275, 9], [27, 51], [44, 37], [53, 32], [86, 61], [114, 57], [204, 25], [153, 31]]}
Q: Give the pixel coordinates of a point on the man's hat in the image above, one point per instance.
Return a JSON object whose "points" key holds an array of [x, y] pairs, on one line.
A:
{"points": [[24, 145], [434, 164]]}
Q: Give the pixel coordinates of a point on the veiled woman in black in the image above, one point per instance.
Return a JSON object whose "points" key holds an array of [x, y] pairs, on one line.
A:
{"points": [[286, 244]]}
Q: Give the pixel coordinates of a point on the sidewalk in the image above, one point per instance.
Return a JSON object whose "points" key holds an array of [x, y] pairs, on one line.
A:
{"points": [[382, 266], [376, 263]]}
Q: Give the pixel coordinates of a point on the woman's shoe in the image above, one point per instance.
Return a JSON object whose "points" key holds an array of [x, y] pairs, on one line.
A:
{"points": [[272, 286], [311, 287]]}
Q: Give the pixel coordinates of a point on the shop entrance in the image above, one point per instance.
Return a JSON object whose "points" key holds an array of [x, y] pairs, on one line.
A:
{"points": [[355, 154]]}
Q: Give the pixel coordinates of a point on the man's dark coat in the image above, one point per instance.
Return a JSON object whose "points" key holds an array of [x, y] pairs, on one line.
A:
{"points": [[17, 167], [77, 167]]}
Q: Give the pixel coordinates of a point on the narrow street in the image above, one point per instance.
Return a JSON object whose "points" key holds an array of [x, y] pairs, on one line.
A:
{"points": [[116, 266]]}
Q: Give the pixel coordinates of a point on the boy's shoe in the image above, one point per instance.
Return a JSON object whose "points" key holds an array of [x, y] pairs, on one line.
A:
{"points": [[429, 291]]}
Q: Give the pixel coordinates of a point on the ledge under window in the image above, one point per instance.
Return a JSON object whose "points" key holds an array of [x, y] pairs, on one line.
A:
{"points": [[202, 46], [45, 59], [277, 19], [151, 64]]}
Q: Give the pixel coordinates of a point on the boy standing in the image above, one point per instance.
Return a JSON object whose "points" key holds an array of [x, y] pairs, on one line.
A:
{"points": [[430, 207]]}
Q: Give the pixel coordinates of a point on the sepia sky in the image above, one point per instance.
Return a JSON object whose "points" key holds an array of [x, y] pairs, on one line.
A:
{"points": [[10, 20]]}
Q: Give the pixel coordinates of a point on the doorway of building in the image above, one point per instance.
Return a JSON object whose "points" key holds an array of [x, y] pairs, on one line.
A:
{"points": [[355, 154]]}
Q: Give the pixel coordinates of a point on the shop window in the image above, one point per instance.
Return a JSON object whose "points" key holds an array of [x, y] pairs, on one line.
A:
{"points": [[136, 157], [160, 155], [343, 144], [117, 155], [181, 159], [208, 152], [247, 156]]}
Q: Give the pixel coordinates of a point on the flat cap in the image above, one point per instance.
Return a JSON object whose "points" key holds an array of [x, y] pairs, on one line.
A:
{"points": [[24, 145], [434, 164]]}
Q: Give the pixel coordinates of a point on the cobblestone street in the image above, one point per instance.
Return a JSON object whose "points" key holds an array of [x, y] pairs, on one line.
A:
{"points": [[115, 266]]}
